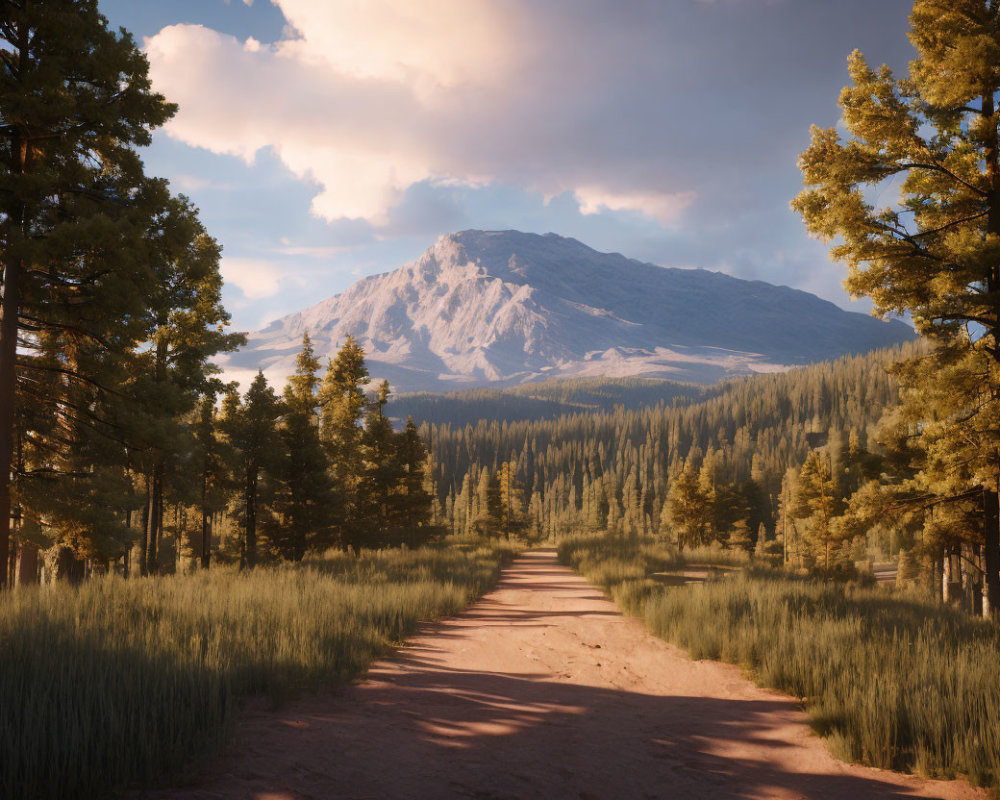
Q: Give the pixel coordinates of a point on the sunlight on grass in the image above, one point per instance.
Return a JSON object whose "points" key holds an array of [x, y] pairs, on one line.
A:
{"points": [[890, 681], [115, 682]]}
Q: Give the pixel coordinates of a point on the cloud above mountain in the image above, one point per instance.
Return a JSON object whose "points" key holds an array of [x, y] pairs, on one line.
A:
{"points": [[327, 138], [367, 99]]}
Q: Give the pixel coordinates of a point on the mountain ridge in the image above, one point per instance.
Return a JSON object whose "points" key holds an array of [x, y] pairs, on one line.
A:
{"points": [[493, 308]]}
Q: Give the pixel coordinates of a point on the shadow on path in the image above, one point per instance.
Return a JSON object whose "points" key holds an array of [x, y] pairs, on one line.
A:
{"points": [[528, 695]]}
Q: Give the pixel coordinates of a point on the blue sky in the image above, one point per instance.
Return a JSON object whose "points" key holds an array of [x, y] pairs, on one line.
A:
{"points": [[324, 140]]}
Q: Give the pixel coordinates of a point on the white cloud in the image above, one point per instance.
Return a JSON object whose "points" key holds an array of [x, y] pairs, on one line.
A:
{"points": [[661, 206], [433, 42], [310, 251], [256, 278], [196, 183], [366, 99]]}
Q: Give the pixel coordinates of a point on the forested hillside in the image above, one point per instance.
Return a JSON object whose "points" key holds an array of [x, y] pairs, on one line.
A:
{"points": [[615, 468], [544, 400]]}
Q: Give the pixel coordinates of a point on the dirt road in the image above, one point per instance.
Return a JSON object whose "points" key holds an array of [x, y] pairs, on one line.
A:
{"points": [[543, 690]]}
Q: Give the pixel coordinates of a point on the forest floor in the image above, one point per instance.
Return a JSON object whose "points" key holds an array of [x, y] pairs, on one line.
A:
{"points": [[542, 689]]}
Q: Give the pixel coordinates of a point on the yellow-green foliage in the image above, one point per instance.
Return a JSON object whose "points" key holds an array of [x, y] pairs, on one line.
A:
{"points": [[889, 680], [118, 681]]}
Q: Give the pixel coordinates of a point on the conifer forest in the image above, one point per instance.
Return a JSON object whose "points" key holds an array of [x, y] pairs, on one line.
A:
{"points": [[198, 565]]}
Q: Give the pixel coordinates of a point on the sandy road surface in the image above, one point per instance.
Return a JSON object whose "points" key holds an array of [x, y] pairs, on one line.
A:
{"points": [[542, 690]]}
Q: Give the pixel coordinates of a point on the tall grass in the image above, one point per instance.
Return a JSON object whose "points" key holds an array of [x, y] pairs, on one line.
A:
{"points": [[116, 682], [631, 568], [890, 681]]}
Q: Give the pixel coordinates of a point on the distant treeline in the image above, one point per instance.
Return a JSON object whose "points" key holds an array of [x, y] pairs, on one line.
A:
{"points": [[614, 468], [538, 401]]}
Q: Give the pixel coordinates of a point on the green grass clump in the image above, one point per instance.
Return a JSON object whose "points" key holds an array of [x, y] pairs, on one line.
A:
{"points": [[890, 681], [116, 682]]}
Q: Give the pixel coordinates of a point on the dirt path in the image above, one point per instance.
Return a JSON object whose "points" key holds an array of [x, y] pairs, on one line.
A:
{"points": [[543, 690]]}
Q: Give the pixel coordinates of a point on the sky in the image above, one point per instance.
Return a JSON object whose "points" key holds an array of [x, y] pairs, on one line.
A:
{"points": [[325, 140]]}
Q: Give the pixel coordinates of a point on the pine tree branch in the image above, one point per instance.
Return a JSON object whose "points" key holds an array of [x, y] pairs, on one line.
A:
{"points": [[91, 279], [923, 502], [59, 407], [950, 225], [52, 472], [908, 165], [70, 374], [984, 321], [47, 325]]}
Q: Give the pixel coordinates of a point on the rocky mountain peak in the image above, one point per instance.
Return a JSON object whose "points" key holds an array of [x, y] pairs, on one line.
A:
{"points": [[488, 307]]}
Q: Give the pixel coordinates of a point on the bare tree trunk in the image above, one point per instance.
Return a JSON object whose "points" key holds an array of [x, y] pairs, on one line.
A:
{"points": [[154, 519], [9, 309], [946, 575], [206, 538], [991, 555], [248, 552], [27, 565]]}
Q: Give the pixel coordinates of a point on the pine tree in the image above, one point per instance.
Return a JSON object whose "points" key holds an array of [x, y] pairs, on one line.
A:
{"points": [[76, 101], [816, 504], [411, 512], [381, 473], [305, 504], [690, 510], [512, 520], [342, 403], [251, 429], [187, 328], [934, 253], [489, 505], [211, 458]]}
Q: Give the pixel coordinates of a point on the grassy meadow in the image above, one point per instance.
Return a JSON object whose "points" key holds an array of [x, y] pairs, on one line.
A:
{"points": [[117, 682], [889, 680]]}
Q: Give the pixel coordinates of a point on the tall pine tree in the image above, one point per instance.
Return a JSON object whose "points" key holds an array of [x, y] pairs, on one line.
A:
{"points": [[75, 102], [935, 253]]}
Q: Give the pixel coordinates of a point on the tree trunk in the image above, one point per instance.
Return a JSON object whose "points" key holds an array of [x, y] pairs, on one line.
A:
{"points": [[68, 567], [206, 537], [991, 555], [9, 309], [154, 519], [946, 575], [139, 550], [991, 527], [27, 565], [249, 554]]}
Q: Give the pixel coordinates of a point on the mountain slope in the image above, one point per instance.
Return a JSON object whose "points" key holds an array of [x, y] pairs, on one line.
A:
{"points": [[482, 308]]}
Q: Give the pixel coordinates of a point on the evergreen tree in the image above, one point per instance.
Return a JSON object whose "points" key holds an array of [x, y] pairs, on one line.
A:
{"points": [[934, 253], [381, 474], [413, 509], [171, 368], [342, 407], [251, 429], [211, 458], [489, 506], [816, 503], [305, 504], [511, 510], [75, 102], [690, 509]]}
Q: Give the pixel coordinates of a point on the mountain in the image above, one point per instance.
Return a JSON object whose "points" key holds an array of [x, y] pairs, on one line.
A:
{"points": [[503, 307]]}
